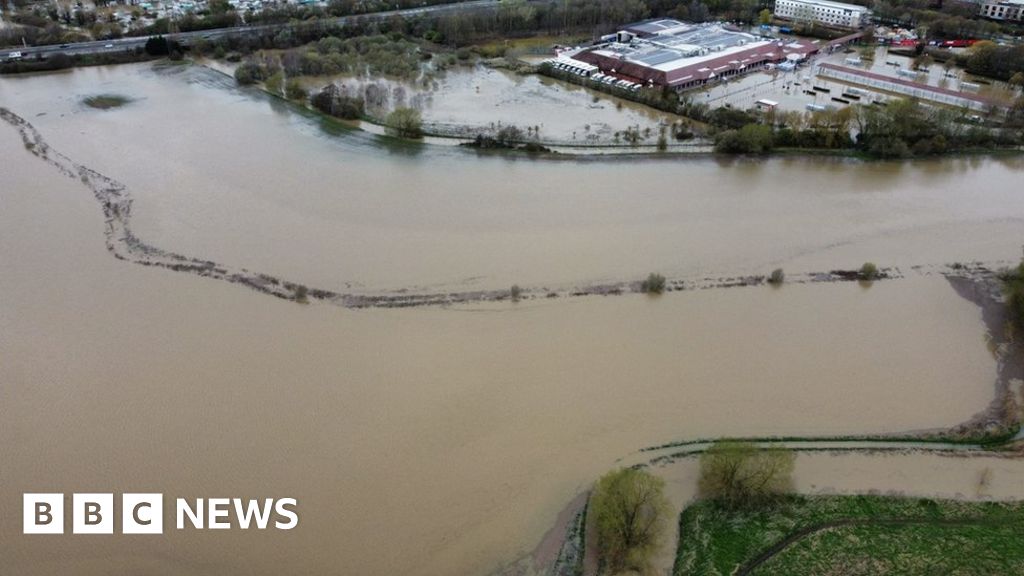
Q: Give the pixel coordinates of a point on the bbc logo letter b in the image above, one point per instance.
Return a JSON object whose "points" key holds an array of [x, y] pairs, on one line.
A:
{"points": [[92, 514], [43, 514]]}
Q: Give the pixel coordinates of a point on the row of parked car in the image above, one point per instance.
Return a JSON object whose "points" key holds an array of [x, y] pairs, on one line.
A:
{"points": [[596, 76], [613, 81]]}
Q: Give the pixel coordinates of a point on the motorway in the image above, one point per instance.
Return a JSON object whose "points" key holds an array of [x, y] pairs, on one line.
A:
{"points": [[130, 43]]}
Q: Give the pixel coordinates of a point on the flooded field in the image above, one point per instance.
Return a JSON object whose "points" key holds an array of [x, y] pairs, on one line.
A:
{"points": [[924, 475], [469, 99], [438, 441]]}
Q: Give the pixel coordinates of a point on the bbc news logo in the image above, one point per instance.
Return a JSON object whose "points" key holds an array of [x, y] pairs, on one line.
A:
{"points": [[144, 513]]}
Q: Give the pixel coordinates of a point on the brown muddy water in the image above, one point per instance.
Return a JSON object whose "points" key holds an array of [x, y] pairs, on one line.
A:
{"points": [[438, 441]]}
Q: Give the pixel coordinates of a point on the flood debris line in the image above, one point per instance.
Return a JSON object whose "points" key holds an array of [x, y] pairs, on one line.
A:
{"points": [[116, 203]]}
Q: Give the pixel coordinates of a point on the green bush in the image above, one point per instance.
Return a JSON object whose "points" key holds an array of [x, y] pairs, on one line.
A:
{"points": [[777, 277], [405, 122], [868, 271], [294, 91], [275, 83], [751, 139]]}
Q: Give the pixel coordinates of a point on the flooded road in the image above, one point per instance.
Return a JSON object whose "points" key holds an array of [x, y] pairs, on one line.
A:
{"points": [[438, 441]]}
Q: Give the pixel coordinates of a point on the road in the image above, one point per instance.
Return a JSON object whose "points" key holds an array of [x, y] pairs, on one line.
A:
{"points": [[130, 43]]}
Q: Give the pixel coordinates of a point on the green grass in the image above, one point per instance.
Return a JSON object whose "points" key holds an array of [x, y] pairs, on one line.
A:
{"points": [[941, 537], [106, 101], [976, 549]]}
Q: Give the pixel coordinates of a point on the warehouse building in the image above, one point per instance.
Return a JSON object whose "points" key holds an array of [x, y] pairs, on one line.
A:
{"points": [[672, 54]]}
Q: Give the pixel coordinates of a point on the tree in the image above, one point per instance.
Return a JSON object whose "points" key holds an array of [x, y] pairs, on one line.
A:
{"points": [[630, 509], [868, 271], [301, 294], [751, 139], [335, 101], [777, 277], [405, 122], [739, 474], [765, 16], [654, 284], [219, 6], [157, 46]]}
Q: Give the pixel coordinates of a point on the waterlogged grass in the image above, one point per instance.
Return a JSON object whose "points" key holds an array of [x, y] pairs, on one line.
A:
{"points": [[860, 535], [971, 549], [106, 101]]}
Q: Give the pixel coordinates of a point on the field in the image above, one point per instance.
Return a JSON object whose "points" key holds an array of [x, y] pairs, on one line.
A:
{"points": [[853, 535]]}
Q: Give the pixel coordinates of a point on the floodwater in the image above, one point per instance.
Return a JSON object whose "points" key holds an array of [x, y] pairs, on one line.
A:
{"points": [[482, 99], [437, 441], [194, 152]]}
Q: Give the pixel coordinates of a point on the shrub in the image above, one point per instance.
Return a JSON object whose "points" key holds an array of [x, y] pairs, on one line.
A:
{"points": [[751, 139], [248, 73], [777, 277], [868, 271], [294, 91], [275, 83], [654, 284], [515, 292], [630, 509], [301, 294]]}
